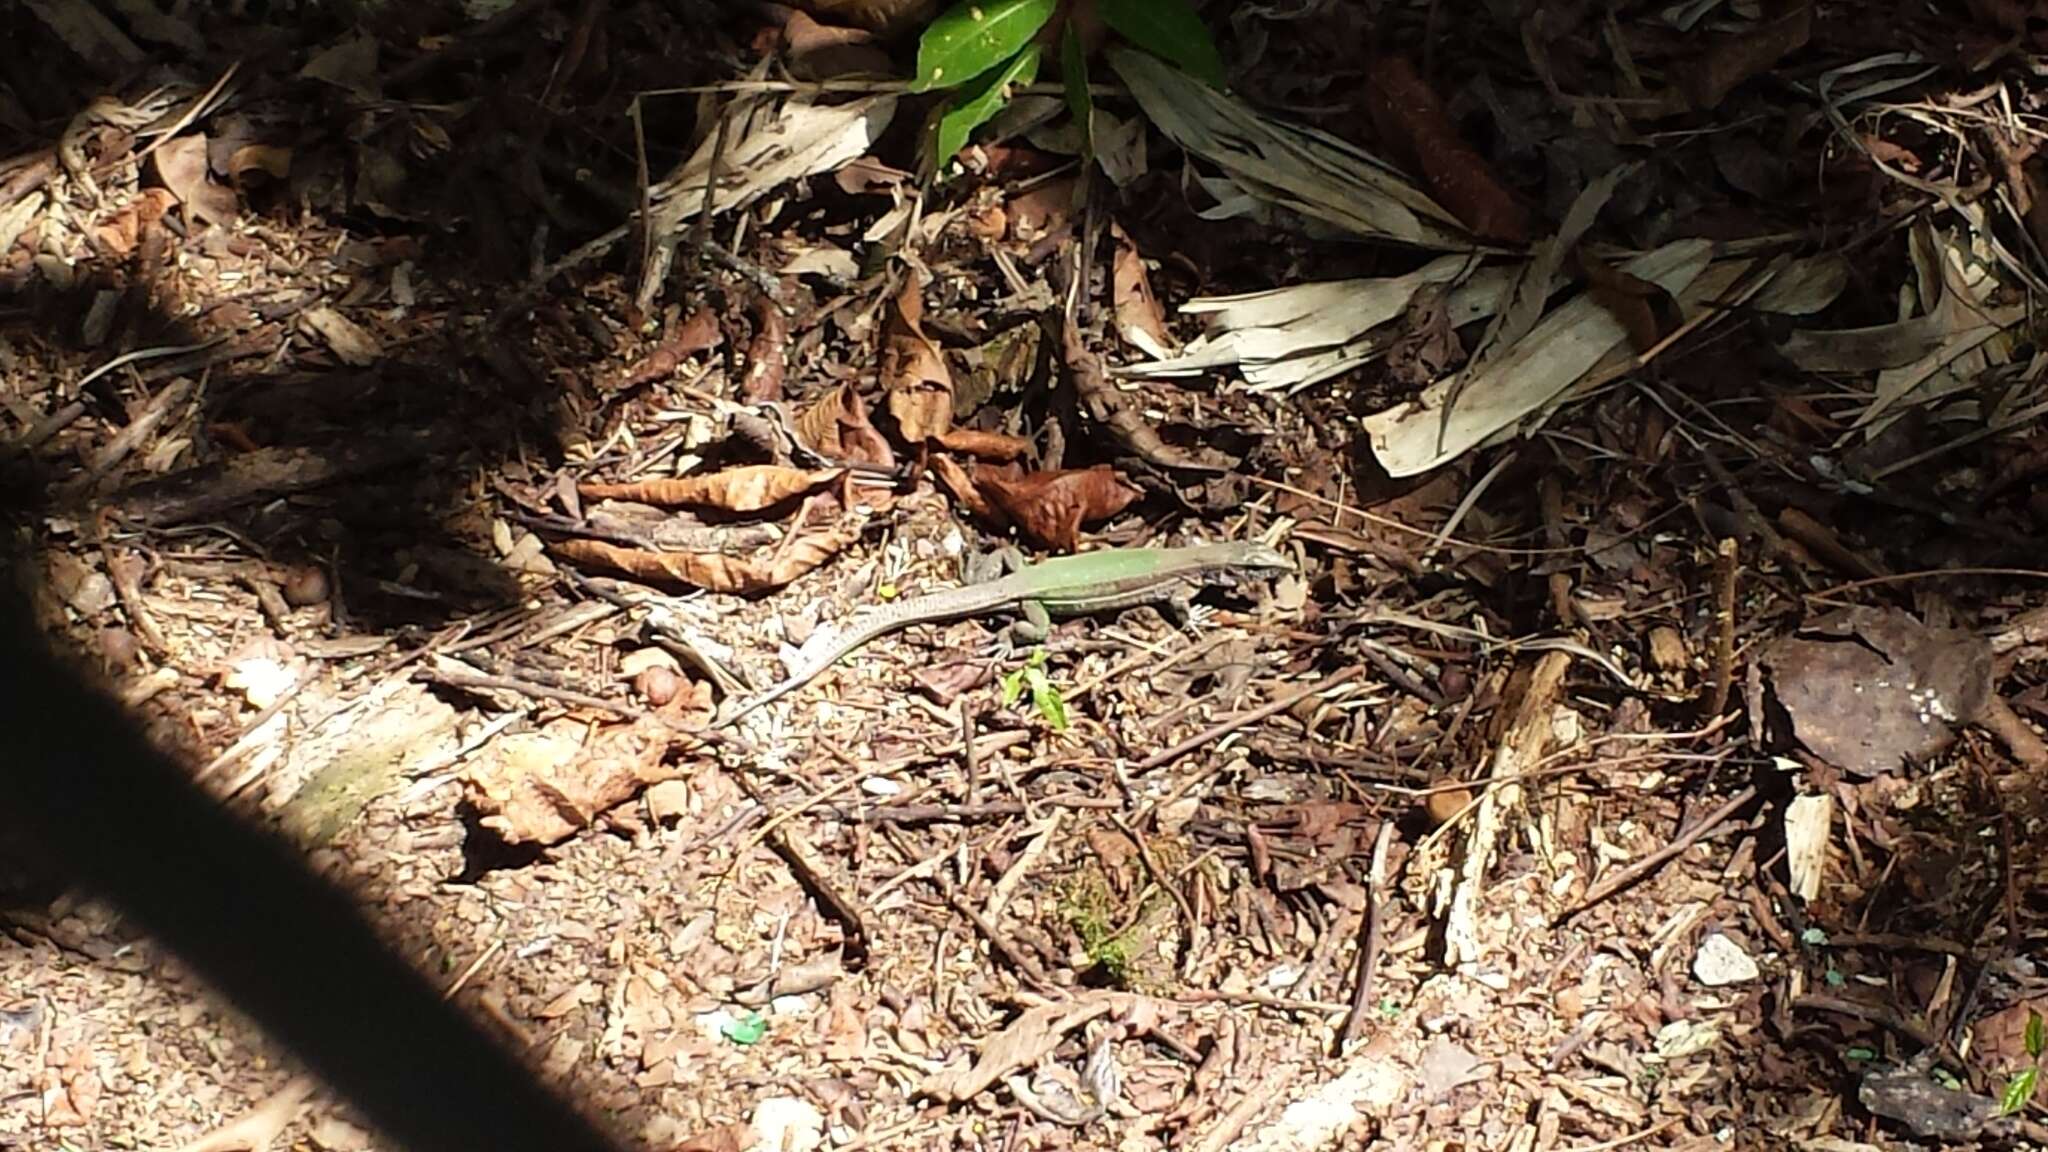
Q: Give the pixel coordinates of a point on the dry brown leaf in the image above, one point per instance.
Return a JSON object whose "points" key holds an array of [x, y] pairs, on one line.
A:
{"points": [[868, 175], [883, 16], [957, 481], [1027, 1040], [765, 353], [1413, 125], [750, 488], [269, 159], [1708, 80], [1051, 507], [181, 164], [914, 372], [1648, 311], [817, 51], [1043, 209], [1139, 319], [837, 428], [985, 445], [697, 334], [772, 568], [525, 802], [1106, 406]]}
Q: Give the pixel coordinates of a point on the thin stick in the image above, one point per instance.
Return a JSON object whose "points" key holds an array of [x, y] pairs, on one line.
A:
{"points": [[1244, 719], [1657, 859], [1373, 931], [1726, 569]]}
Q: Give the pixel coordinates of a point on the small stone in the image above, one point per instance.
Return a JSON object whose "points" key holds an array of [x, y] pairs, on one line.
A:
{"points": [[789, 1124], [1722, 962], [641, 659], [305, 585], [659, 685], [668, 801]]}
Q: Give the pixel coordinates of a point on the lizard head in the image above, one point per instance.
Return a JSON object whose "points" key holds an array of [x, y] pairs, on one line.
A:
{"points": [[1263, 558]]}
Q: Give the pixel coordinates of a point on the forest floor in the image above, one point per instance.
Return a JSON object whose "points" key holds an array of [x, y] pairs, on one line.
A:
{"points": [[1644, 751]]}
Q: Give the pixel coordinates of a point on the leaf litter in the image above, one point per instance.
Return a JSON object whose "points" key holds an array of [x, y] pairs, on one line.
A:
{"points": [[1649, 393]]}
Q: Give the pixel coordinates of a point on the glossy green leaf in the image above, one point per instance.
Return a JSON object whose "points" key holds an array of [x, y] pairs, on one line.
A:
{"points": [[1170, 30], [2035, 1040], [2019, 1091], [978, 103], [974, 36], [1074, 73]]}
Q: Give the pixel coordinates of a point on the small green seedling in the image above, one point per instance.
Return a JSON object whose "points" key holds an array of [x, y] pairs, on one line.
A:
{"points": [[982, 49], [1045, 695], [2019, 1091]]}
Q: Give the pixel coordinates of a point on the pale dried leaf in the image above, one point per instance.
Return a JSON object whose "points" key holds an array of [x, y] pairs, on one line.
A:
{"points": [[1808, 820], [1028, 1039], [749, 488], [1414, 438], [1298, 169], [545, 801], [350, 342]]}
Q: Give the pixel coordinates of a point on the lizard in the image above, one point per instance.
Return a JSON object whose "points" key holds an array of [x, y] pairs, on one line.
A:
{"points": [[1062, 586]]}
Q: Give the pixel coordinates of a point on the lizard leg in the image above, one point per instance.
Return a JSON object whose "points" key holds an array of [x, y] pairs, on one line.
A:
{"points": [[1033, 628], [981, 567], [1179, 611]]}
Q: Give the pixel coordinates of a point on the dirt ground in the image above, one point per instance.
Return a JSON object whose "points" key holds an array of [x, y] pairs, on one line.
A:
{"points": [[1643, 751]]}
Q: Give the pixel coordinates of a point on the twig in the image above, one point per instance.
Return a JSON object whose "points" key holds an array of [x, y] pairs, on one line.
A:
{"points": [[1655, 860], [1726, 570], [1373, 933], [1231, 724]]}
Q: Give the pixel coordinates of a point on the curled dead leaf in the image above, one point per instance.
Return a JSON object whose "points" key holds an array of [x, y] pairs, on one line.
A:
{"points": [[1051, 507], [750, 488], [1645, 309], [765, 353], [267, 159], [837, 428], [1139, 319], [914, 372], [1734, 59], [181, 164], [774, 567], [954, 477], [982, 445], [699, 333], [542, 788]]}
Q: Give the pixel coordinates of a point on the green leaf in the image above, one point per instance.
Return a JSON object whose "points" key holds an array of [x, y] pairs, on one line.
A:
{"points": [[1047, 699], [978, 103], [1080, 103], [2035, 1040], [974, 36], [746, 1029], [1170, 30], [1013, 686], [1859, 1054], [2019, 1091]]}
